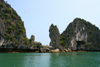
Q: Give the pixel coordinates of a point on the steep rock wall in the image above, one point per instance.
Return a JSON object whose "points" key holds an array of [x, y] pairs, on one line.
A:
{"points": [[11, 27], [81, 35], [55, 37]]}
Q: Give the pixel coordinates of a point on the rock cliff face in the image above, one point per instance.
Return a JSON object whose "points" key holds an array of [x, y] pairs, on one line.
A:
{"points": [[1, 39], [32, 41], [55, 37], [81, 35], [12, 30]]}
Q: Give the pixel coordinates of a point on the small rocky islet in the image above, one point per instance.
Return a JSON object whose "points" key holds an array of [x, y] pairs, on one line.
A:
{"points": [[80, 35]]}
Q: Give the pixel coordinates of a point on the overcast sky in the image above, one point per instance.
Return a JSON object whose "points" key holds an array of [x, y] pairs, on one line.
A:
{"points": [[38, 15]]}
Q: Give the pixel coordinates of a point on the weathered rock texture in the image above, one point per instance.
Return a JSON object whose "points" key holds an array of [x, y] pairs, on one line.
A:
{"points": [[81, 35], [37, 44], [55, 37], [1, 39], [32, 39], [12, 30]]}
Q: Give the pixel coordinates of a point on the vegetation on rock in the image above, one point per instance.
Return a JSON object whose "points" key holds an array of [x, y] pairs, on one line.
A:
{"points": [[12, 26], [81, 33]]}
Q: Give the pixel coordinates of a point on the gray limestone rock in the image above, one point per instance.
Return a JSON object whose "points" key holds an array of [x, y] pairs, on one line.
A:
{"points": [[55, 37], [11, 26], [81, 35], [32, 39]]}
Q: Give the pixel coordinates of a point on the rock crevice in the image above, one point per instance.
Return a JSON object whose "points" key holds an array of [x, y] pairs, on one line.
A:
{"points": [[82, 35]]}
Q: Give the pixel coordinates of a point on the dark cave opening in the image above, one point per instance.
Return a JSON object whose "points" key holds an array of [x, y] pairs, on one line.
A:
{"points": [[79, 43]]}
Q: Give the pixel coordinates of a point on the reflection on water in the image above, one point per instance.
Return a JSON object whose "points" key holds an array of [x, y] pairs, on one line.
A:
{"points": [[58, 60], [37, 60], [74, 59]]}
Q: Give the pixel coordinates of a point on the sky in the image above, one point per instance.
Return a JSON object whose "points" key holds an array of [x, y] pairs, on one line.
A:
{"points": [[38, 15]]}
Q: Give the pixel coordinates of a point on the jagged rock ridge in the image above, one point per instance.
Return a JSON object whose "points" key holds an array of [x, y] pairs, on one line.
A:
{"points": [[11, 26], [12, 30], [81, 35], [55, 37]]}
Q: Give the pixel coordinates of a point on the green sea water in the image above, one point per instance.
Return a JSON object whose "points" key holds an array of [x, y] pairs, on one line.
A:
{"points": [[71, 59]]}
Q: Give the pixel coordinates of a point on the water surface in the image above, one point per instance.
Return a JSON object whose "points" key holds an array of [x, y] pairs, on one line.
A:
{"points": [[72, 59]]}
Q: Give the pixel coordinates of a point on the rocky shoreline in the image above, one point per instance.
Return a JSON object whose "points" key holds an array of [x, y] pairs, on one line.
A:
{"points": [[9, 50]]}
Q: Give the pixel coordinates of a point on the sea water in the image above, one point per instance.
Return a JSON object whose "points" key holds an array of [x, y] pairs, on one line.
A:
{"points": [[71, 59]]}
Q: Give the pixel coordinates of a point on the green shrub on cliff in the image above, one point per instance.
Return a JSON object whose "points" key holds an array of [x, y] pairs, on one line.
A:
{"points": [[92, 47], [14, 12], [12, 16], [7, 21], [2, 17], [54, 28], [83, 20], [9, 30], [64, 47], [1, 5], [86, 45], [13, 26], [0, 14], [89, 22], [9, 37], [93, 27], [7, 10], [62, 41], [6, 16], [19, 25], [90, 37], [73, 32], [41, 46], [21, 30], [20, 18], [27, 41], [35, 45], [68, 35], [55, 40]]}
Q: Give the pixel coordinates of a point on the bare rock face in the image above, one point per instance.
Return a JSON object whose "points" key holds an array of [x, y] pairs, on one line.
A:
{"points": [[1, 40], [37, 45], [32, 39], [12, 30], [81, 35], [55, 37], [2, 1]]}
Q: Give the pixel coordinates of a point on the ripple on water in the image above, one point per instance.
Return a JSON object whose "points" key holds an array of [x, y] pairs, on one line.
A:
{"points": [[72, 59]]}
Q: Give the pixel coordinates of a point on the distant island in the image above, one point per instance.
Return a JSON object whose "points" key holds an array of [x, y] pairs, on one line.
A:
{"points": [[80, 35]]}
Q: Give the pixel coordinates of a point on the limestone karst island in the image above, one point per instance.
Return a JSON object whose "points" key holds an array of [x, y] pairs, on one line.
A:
{"points": [[80, 35]]}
